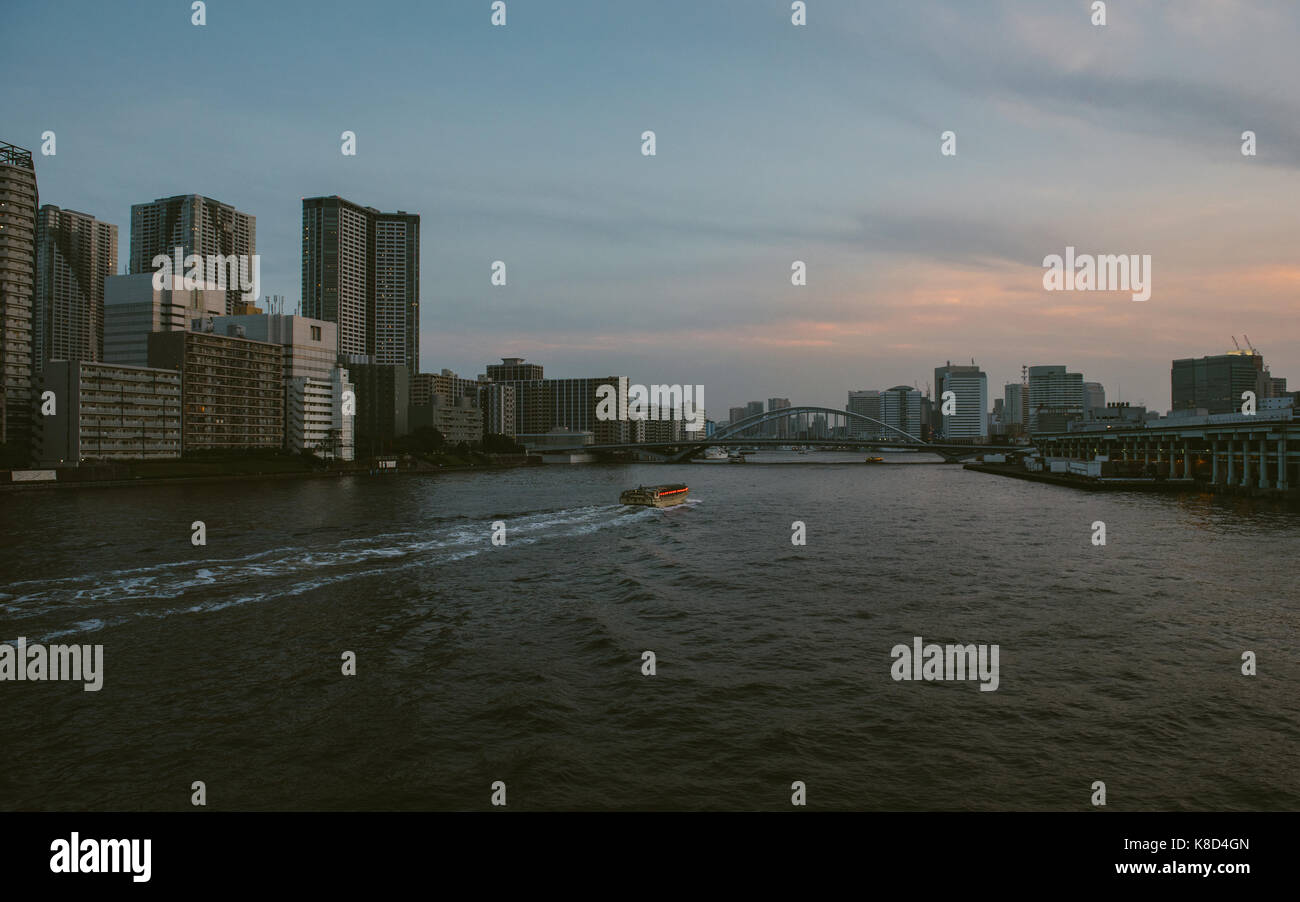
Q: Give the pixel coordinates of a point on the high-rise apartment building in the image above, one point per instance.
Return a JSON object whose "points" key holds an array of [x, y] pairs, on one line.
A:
{"points": [[18, 205], [75, 253], [232, 389], [513, 369], [107, 411], [361, 270], [197, 225]]}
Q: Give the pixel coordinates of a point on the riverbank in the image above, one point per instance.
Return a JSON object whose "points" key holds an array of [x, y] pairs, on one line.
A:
{"points": [[180, 472], [1087, 483]]}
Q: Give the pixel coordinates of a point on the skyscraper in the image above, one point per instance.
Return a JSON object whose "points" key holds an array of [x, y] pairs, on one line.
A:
{"points": [[197, 225], [1015, 404], [1053, 389], [361, 270], [18, 204], [867, 404], [969, 385], [1216, 383], [75, 253], [777, 428], [1094, 395], [900, 407]]}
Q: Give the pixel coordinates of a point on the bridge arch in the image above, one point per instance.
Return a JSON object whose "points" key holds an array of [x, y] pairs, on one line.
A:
{"points": [[758, 419]]}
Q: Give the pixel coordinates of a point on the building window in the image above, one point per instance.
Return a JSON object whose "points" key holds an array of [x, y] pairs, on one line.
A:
{"points": [[315, 333]]}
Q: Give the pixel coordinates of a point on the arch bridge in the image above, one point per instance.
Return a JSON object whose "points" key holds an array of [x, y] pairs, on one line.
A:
{"points": [[823, 427]]}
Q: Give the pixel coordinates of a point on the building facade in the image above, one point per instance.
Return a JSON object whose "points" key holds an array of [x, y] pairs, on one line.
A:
{"points": [[900, 408], [361, 271], [865, 403], [107, 411], [315, 420], [1052, 388], [18, 204], [197, 225], [1216, 383], [75, 253], [383, 393], [133, 309], [970, 417], [232, 389]]}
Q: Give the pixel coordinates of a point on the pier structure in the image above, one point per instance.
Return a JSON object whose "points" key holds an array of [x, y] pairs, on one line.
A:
{"points": [[1258, 451]]}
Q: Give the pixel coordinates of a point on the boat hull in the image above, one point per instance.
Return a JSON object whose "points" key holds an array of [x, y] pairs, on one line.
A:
{"points": [[655, 496]]}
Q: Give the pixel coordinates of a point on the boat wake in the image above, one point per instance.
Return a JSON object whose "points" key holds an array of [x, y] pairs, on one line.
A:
{"points": [[108, 598]]}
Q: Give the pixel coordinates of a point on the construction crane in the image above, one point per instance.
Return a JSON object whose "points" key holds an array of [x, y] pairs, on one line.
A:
{"points": [[1248, 344], [1234, 342]]}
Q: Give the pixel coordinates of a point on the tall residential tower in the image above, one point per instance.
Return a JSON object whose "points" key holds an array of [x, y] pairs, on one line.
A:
{"points": [[197, 225], [75, 253], [18, 204]]}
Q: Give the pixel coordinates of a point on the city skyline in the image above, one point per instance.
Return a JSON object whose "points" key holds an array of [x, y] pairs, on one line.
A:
{"points": [[676, 267]]}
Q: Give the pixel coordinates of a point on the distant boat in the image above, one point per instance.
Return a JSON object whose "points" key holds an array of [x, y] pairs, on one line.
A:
{"points": [[713, 455], [655, 495], [875, 460], [736, 457]]}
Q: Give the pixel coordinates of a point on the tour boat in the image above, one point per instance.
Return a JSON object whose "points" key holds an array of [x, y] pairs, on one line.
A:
{"points": [[875, 460], [713, 455], [655, 495]]}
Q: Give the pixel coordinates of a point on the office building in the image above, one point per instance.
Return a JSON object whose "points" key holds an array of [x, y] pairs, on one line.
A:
{"points": [[361, 270], [232, 389], [900, 408], [107, 411], [777, 428], [1052, 388], [75, 253], [542, 405], [970, 416], [1216, 383], [1015, 407], [197, 225], [18, 205], [133, 309], [864, 403], [1094, 395]]}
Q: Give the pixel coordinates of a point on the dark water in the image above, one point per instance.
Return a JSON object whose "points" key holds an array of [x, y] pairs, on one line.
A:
{"points": [[522, 663]]}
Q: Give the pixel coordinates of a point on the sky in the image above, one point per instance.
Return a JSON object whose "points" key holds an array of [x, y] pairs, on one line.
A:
{"points": [[774, 143]]}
